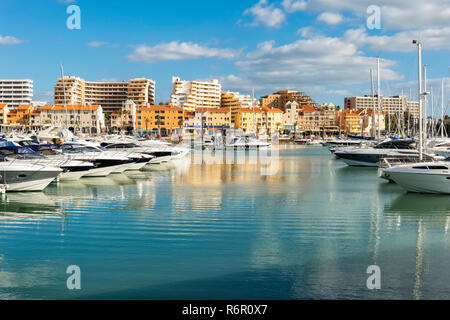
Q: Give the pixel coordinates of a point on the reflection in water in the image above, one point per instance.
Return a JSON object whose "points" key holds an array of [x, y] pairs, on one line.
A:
{"points": [[419, 262], [430, 211], [226, 229], [22, 204]]}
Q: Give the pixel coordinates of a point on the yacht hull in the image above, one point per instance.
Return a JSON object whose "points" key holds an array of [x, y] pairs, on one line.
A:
{"points": [[99, 172], [27, 178], [357, 163], [421, 182], [29, 186]]}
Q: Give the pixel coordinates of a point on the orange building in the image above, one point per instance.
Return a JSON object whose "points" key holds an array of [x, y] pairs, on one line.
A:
{"points": [[350, 122], [165, 117], [20, 115]]}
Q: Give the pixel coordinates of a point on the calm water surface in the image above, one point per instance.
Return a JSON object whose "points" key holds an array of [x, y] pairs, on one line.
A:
{"points": [[223, 231]]}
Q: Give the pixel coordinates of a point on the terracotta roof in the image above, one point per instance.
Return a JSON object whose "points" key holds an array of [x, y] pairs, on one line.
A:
{"points": [[251, 109], [24, 107], [213, 109], [161, 107], [70, 107], [309, 108], [267, 109], [2, 105]]}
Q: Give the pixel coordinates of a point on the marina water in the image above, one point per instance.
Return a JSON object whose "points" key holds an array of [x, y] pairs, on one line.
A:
{"points": [[226, 231]]}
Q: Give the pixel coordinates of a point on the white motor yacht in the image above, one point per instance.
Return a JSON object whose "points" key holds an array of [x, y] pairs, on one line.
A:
{"points": [[246, 142], [22, 177], [371, 156], [422, 177]]}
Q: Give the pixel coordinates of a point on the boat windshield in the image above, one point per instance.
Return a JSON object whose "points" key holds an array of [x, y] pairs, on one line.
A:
{"points": [[19, 153]]}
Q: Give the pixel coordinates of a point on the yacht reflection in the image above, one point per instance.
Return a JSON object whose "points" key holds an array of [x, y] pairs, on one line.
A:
{"points": [[428, 212], [420, 205], [23, 204], [111, 187]]}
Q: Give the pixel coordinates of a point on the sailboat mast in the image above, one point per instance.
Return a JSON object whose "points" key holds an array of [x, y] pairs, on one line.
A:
{"points": [[379, 96], [253, 97], [64, 91], [419, 53], [442, 108], [425, 102], [373, 105]]}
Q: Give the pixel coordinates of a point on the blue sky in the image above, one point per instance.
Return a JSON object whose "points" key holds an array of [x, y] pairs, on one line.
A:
{"points": [[321, 47]]}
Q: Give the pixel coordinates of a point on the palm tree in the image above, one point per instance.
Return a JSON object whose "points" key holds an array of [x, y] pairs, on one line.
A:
{"points": [[26, 122], [158, 123], [278, 126]]}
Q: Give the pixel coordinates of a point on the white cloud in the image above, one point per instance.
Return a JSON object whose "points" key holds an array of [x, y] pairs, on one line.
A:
{"points": [[96, 44], [265, 14], [432, 39], [306, 32], [395, 15], [291, 6], [179, 51], [330, 18], [319, 65], [9, 40]]}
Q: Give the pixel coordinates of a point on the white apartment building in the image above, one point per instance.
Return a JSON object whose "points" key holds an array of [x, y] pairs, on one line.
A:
{"points": [[15, 92], [110, 95], [390, 105], [190, 95]]}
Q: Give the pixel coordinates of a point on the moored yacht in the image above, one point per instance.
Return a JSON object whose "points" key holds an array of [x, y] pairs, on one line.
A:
{"points": [[22, 176], [247, 142], [72, 169], [422, 177], [370, 157]]}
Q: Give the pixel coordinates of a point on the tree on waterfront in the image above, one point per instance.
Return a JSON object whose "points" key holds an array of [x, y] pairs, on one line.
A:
{"points": [[158, 123]]}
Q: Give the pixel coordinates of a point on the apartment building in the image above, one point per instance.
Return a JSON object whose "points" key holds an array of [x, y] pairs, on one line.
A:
{"points": [[4, 110], [211, 118], [190, 95], [19, 115], [369, 122], [125, 119], [281, 98], [15, 92], [35, 119], [393, 105], [350, 122], [290, 115], [250, 119], [165, 118], [274, 119], [110, 95], [317, 119], [84, 118], [235, 101]]}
